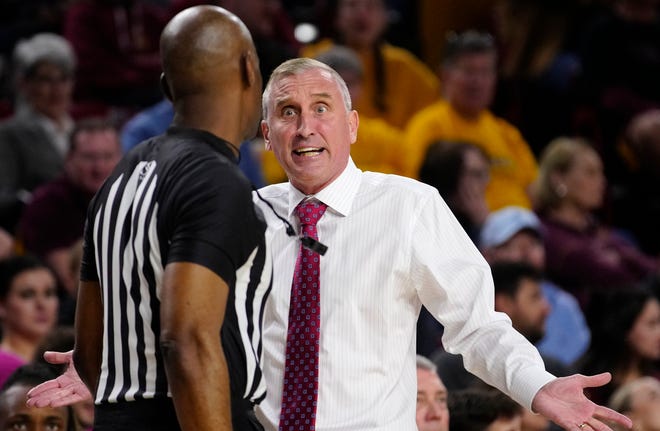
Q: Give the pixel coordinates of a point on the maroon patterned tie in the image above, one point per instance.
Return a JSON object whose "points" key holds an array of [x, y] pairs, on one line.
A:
{"points": [[301, 370]]}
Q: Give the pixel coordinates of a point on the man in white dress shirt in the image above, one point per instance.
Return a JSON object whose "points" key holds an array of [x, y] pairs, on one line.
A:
{"points": [[393, 245]]}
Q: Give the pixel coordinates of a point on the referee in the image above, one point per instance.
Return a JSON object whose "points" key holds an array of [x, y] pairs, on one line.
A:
{"points": [[174, 250]]}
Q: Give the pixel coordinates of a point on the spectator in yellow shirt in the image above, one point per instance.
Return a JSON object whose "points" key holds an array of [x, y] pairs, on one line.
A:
{"points": [[397, 84], [469, 78]]}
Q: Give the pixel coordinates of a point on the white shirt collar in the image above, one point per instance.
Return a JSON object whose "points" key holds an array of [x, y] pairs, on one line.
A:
{"points": [[338, 195]]}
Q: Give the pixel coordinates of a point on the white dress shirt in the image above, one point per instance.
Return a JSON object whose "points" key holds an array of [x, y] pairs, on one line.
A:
{"points": [[393, 245]]}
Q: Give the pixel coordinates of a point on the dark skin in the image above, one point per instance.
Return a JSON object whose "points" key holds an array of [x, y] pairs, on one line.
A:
{"points": [[209, 64]]}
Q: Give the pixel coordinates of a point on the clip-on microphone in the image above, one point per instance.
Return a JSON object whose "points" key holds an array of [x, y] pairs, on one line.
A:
{"points": [[314, 245]]}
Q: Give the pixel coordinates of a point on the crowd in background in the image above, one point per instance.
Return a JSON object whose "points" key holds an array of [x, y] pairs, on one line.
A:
{"points": [[537, 121]]}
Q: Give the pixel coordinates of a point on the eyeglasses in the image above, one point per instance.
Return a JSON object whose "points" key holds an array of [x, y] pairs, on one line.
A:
{"points": [[51, 79]]}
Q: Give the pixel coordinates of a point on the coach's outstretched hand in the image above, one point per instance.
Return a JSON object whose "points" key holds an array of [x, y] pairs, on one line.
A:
{"points": [[563, 402]]}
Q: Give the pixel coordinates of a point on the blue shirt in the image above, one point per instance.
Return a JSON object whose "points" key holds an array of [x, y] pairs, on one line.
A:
{"points": [[156, 119], [567, 335]]}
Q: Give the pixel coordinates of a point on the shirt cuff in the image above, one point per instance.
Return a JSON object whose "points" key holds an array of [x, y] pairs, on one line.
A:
{"points": [[528, 383]]}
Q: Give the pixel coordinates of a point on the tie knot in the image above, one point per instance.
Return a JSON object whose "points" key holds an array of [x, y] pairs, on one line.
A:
{"points": [[310, 212]]}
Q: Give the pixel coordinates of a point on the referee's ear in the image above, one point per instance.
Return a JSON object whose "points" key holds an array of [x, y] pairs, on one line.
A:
{"points": [[165, 87], [250, 74]]}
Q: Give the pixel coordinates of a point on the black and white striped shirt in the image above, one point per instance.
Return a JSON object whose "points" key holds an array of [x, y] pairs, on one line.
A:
{"points": [[178, 197]]}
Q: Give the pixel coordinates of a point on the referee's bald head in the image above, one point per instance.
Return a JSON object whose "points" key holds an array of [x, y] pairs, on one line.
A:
{"points": [[201, 48]]}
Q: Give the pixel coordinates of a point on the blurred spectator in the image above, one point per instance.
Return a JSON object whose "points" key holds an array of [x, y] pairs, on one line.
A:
{"points": [[33, 142], [55, 218], [437, 18], [16, 415], [539, 67], [620, 54], [28, 305], [396, 83], [117, 43], [60, 339], [484, 410], [461, 172], [514, 234], [468, 78], [68, 300], [582, 254], [9, 362], [640, 401], [636, 199], [518, 294], [625, 338], [21, 20], [147, 123], [432, 413]]}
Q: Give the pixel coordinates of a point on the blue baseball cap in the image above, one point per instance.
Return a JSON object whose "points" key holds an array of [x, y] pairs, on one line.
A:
{"points": [[504, 223]]}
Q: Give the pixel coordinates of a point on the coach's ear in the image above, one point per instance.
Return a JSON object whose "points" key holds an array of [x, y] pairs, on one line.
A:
{"points": [[265, 131]]}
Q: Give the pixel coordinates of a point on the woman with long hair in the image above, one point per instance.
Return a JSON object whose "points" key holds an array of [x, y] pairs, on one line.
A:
{"points": [[396, 83], [625, 338]]}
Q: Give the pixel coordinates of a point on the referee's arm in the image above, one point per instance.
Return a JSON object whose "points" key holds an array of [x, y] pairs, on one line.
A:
{"points": [[193, 305], [89, 333]]}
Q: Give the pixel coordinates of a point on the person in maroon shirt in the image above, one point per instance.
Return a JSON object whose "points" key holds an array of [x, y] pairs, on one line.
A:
{"points": [[54, 220], [582, 254], [116, 42]]}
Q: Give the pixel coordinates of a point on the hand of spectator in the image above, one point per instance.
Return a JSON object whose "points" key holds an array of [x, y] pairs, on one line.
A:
{"points": [[563, 401], [65, 390]]}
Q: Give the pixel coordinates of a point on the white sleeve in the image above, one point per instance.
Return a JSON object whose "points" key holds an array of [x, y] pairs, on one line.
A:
{"points": [[455, 284]]}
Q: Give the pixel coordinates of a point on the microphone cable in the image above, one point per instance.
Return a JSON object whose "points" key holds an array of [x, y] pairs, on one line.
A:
{"points": [[308, 242]]}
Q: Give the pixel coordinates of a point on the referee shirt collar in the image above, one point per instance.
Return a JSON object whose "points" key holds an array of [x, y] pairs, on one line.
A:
{"points": [[338, 195], [220, 145]]}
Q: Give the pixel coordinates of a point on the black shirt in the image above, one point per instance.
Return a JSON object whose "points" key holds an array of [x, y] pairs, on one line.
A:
{"points": [[178, 197]]}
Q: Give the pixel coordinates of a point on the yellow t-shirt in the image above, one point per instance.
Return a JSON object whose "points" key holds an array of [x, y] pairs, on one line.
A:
{"points": [[409, 84], [378, 147], [513, 167]]}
